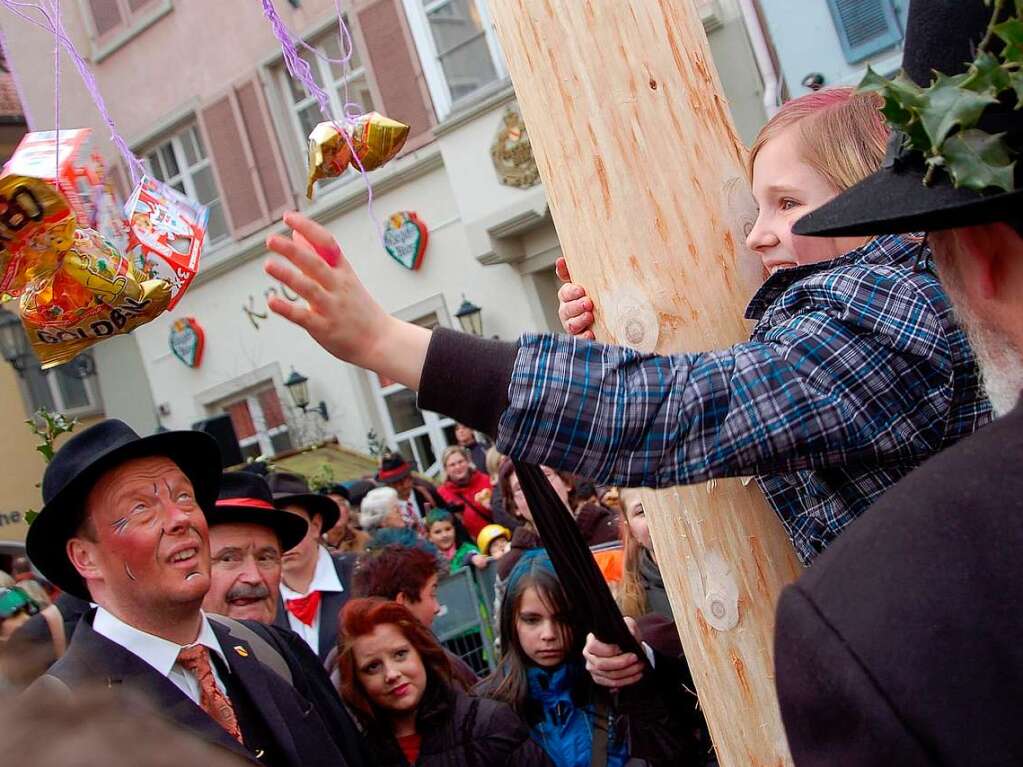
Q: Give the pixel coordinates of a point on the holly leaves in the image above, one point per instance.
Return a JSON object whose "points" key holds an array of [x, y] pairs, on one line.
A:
{"points": [[941, 120]]}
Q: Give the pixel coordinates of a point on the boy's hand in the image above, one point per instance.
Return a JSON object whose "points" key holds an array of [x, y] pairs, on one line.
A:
{"points": [[574, 307], [609, 666], [479, 561], [340, 314]]}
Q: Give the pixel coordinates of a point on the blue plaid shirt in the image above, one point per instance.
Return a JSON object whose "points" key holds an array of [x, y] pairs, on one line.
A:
{"points": [[855, 373]]}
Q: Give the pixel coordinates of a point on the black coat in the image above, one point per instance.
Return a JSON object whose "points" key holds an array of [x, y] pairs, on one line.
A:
{"points": [[462, 731], [331, 603], [901, 645], [277, 716]]}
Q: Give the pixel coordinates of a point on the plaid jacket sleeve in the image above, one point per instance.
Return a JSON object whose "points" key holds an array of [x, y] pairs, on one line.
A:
{"points": [[846, 368]]}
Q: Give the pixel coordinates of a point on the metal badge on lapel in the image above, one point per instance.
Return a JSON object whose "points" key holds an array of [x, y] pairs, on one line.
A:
{"points": [[405, 238], [241, 650], [187, 340]]}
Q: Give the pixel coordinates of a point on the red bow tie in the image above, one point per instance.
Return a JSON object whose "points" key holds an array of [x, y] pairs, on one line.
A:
{"points": [[304, 608]]}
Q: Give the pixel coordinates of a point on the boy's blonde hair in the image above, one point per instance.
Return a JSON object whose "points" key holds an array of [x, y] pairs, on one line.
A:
{"points": [[843, 133]]}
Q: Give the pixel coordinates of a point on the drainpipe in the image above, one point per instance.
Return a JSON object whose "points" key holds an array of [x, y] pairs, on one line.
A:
{"points": [[762, 54]]}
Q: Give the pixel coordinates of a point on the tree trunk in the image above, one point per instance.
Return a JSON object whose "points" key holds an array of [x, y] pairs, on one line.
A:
{"points": [[646, 182]]}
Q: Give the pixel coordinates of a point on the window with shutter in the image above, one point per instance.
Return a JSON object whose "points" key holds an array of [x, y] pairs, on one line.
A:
{"points": [[259, 422], [245, 154], [106, 16], [865, 27]]}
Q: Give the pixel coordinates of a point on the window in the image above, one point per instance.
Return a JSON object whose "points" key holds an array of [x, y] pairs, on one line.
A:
{"points": [[182, 162], [343, 84], [459, 48], [259, 423], [865, 27], [55, 389], [419, 435], [115, 22]]}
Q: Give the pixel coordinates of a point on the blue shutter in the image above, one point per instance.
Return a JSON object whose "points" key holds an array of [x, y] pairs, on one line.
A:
{"points": [[865, 26]]}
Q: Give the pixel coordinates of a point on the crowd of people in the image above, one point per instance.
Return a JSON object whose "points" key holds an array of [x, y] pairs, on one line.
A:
{"points": [[292, 627]]}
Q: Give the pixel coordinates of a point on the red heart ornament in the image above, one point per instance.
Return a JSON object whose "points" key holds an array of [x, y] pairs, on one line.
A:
{"points": [[405, 238], [187, 340]]}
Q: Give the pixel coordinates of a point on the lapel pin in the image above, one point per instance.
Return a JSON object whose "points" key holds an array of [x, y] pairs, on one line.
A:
{"points": [[241, 650]]}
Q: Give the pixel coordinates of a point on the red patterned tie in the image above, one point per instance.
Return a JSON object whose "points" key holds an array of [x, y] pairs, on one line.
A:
{"points": [[304, 608], [196, 660]]}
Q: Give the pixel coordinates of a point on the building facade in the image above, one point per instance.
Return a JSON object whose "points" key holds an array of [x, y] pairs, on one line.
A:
{"points": [[200, 92]]}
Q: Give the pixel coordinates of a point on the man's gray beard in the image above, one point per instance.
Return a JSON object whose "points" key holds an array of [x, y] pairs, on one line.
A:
{"points": [[999, 361]]}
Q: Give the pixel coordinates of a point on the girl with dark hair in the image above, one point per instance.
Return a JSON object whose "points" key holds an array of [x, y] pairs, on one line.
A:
{"points": [[541, 673], [396, 678]]}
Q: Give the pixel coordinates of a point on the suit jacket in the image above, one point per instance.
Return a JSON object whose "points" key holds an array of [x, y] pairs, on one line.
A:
{"points": [[901, 645], [289, 724], [331, 603]]}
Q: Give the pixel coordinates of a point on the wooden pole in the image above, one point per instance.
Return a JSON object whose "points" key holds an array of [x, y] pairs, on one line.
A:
{"points": [[646, 182]]}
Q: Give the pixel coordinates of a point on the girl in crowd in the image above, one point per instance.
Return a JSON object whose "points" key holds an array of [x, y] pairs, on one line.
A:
{"points": [[397, 680], [440, 531], [542, 675], [463, 482], [641, 589], [856, 371]]}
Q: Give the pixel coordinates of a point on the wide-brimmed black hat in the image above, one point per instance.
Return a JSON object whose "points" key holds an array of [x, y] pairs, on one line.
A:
{"points": [[246, 497], [336, 488], [393, 468], [941, 35], [79, 464], [292, 490]]}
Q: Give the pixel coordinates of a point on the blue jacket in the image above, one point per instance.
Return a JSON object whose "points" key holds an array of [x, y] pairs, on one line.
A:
{"points": [[565, 729]]}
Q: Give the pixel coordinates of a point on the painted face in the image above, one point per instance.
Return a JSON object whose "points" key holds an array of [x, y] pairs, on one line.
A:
{"points": [[296, 560], [151, 548], [521, 507], [499, 547], [246, 572], [457, 467], [390, 669], [442, 535], [542, 634], [464, 435], [636, 517], [786, 188], [426, 609]]}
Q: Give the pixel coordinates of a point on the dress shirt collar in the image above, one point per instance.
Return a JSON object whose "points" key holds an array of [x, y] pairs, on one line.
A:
{"points": [[158, 652], [324, 578]]}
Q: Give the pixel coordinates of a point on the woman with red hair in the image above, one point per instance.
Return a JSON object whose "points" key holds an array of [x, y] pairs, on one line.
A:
{"points": [[397, 680]]}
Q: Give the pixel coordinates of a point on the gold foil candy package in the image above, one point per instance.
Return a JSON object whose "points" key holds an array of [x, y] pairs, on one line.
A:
{"points": [[36, 225], [94, 293], [374, 138], [166, 235]]}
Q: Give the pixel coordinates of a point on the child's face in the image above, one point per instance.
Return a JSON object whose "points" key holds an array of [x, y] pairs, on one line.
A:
{"points": [[498, 547], [542, 635], [786, 188], [442, 535]]}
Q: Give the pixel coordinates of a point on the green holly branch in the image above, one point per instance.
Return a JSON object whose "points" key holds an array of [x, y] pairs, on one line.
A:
{"points": [[940, 120], [48, 425]]}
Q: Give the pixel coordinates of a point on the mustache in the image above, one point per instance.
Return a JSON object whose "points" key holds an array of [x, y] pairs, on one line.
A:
{"points": [[247, 591]]}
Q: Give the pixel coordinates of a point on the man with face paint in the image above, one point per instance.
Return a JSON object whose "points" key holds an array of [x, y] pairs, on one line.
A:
{"points": [[124, 527]]}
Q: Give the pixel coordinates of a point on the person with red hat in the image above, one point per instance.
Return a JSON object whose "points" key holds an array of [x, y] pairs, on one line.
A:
{"points": [[123, 525], [417, 497], [314, 583]]}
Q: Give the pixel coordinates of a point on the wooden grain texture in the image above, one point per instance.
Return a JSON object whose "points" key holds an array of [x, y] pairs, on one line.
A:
{"points": [[646, 182]]}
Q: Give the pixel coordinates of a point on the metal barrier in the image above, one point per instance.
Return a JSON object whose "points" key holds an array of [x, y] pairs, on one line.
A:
{"points": [[463, 623]]}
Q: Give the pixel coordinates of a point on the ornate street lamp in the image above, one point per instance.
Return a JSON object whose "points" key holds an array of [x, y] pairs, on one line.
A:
{"points": [[470, 317], [298, 388]]}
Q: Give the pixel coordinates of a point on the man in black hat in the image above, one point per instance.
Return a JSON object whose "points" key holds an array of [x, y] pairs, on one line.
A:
{"points": [[123, 526], [248, 535], [315, 584], [900, 645], [417, 498]]}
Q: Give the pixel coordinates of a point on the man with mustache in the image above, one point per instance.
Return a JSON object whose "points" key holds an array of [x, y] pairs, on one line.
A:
{"points": [[900, 646], [248, 536], [124, 527]]}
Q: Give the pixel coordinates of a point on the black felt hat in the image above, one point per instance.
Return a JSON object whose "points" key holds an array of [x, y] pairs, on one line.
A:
{"points": [[941, 35], [393, 468], [246, 497], [292, 490], [79, 464]]}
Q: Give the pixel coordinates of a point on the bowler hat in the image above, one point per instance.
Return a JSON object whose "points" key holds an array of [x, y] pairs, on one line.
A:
{"points": [[292, 490], [246, 497], [393, 468], [941, 35], [77, 466]]}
